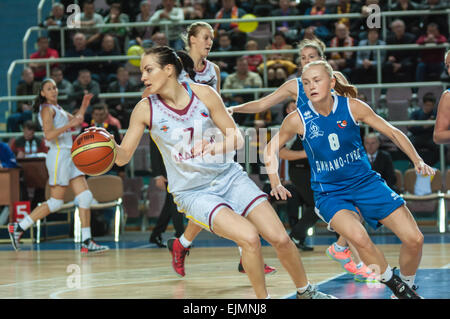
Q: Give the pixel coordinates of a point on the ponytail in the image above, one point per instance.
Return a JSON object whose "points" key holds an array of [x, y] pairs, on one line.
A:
{"points": [[188, 64], [39, 98], [343, 87]]}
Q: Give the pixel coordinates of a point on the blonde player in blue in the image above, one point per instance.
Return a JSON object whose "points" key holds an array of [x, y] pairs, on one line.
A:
{"points": [[197, 139], [342, 178], [442, 128]]}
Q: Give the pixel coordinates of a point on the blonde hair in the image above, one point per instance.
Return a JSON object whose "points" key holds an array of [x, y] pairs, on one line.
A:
{"points": [[446, 54], [342, 86], [316, 44], [193, 30]]}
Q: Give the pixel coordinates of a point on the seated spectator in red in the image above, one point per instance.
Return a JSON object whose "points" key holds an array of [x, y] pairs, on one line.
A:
{"points": [[253, 60], [431, 62], [43, 52], [28, 145]]}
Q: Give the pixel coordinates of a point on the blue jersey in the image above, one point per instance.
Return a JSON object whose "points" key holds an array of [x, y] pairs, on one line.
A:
{"points": [[334, 147], [301, 95]]}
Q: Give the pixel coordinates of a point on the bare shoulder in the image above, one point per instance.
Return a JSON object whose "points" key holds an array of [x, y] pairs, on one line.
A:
{"points": [[142, 110], [293, 123], [203, 91]]}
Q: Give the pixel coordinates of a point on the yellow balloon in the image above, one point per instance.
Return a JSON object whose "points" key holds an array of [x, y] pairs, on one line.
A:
{"points": [[135, 50], [248, 26]]}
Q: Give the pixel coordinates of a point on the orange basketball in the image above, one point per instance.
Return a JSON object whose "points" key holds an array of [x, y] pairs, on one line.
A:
{"points": [[93, 152]]}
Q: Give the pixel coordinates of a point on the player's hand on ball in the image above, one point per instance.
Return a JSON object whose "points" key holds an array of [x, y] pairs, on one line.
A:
{"points": [[424, 169], [100, 129], [280, 192]]}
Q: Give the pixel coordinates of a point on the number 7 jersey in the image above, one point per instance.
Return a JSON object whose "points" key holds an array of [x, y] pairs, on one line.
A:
{"points": [[334, 147], [175, 132]]}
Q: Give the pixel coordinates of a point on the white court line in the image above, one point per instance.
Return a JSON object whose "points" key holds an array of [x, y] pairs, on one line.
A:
{"points": [[320, 283], [446, 266]]}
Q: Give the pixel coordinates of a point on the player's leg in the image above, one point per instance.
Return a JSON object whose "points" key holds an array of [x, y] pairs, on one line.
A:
{"points": [[269, 226], [402, 223], [232, 226]]}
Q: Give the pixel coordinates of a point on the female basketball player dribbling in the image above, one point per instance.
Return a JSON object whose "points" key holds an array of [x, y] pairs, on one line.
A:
{"points": [[56, 124], [342, 178], [207, 185]]}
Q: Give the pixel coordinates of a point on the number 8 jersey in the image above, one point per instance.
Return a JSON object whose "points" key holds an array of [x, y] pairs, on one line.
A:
{"points": [[333, 144]]}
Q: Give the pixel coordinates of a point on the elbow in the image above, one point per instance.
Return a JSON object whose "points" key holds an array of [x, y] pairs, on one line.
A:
{"points": [[436, 138]]}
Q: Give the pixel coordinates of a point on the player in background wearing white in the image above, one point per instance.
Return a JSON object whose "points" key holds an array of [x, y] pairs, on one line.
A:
{"points": [[56, 124], [207, 185], [198, 42]]}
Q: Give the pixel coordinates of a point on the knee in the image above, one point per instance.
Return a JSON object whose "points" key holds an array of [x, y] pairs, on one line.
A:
{"points": [[415, 241], [54, 204], [281, 241], [251, 241], [84, 199], [360, 239]]}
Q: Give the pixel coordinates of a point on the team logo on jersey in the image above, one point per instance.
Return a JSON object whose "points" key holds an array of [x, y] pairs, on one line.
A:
{"points": [[314, 131], [204, 114], [342, 124], [164, 128], [307, 115]]}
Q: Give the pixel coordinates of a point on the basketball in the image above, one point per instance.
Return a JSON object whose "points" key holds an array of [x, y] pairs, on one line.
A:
{"points": [[93, 152]]}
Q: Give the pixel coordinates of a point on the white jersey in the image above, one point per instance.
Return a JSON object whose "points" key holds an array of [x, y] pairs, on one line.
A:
{"points": [[206, 76], [175, 132], [61, 118]]}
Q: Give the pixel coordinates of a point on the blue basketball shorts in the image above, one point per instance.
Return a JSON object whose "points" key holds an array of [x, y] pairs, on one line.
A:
{"points": [[372, 197]]}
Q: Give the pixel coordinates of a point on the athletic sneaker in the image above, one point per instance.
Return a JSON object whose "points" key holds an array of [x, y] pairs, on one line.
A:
{"points": [[414, 287], [267, 269], [342, 257], [90, 246], [364, 274], [14, 234], [400, 289], [178, 254], [312, 293]]}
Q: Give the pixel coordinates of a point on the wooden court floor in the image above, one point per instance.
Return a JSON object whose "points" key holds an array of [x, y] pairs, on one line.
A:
{"points": [[211, 272]]}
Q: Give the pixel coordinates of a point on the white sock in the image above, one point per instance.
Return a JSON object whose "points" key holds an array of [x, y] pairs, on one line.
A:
{"points": [[359, 265], [387, 275], [303, 289], [339, 248], [85, 233], [268, 296], [186, 243], [26, 222], [240, 251], [409, 280]]}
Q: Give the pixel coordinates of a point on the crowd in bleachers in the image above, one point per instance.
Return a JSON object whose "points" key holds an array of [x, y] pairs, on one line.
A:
{"points": [[246, 71]]}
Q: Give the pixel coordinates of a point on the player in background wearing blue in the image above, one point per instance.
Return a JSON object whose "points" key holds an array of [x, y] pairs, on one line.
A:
{"points": [[309, 51], [442, 128], [342, 178]]}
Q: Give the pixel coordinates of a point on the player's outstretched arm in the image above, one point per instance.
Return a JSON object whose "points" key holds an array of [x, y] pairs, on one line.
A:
{"points": [[364, 113], [441, 133], [287, 90]]}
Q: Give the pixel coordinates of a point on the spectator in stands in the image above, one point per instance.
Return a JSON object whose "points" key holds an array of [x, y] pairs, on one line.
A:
{"points": [[88, 19], [57, 18], [431, 62], [43, 52], [142, 35], [344, 7], [106, 70], [121, 107], [79, 50], [230, 10], [412, 22], [100, 119], [290, 29], [173, 14], [440, 19], [358, 27], [117, 16], [319, 28], [400, 64], [28, 145], [242, 78], [279, 66], [28, 86], [84, 85], [380, 160], [342, 61], [64, 87], [365, 70], [253, 60], [422, 136], [196, 10], [159, 39], [225, 63]]}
